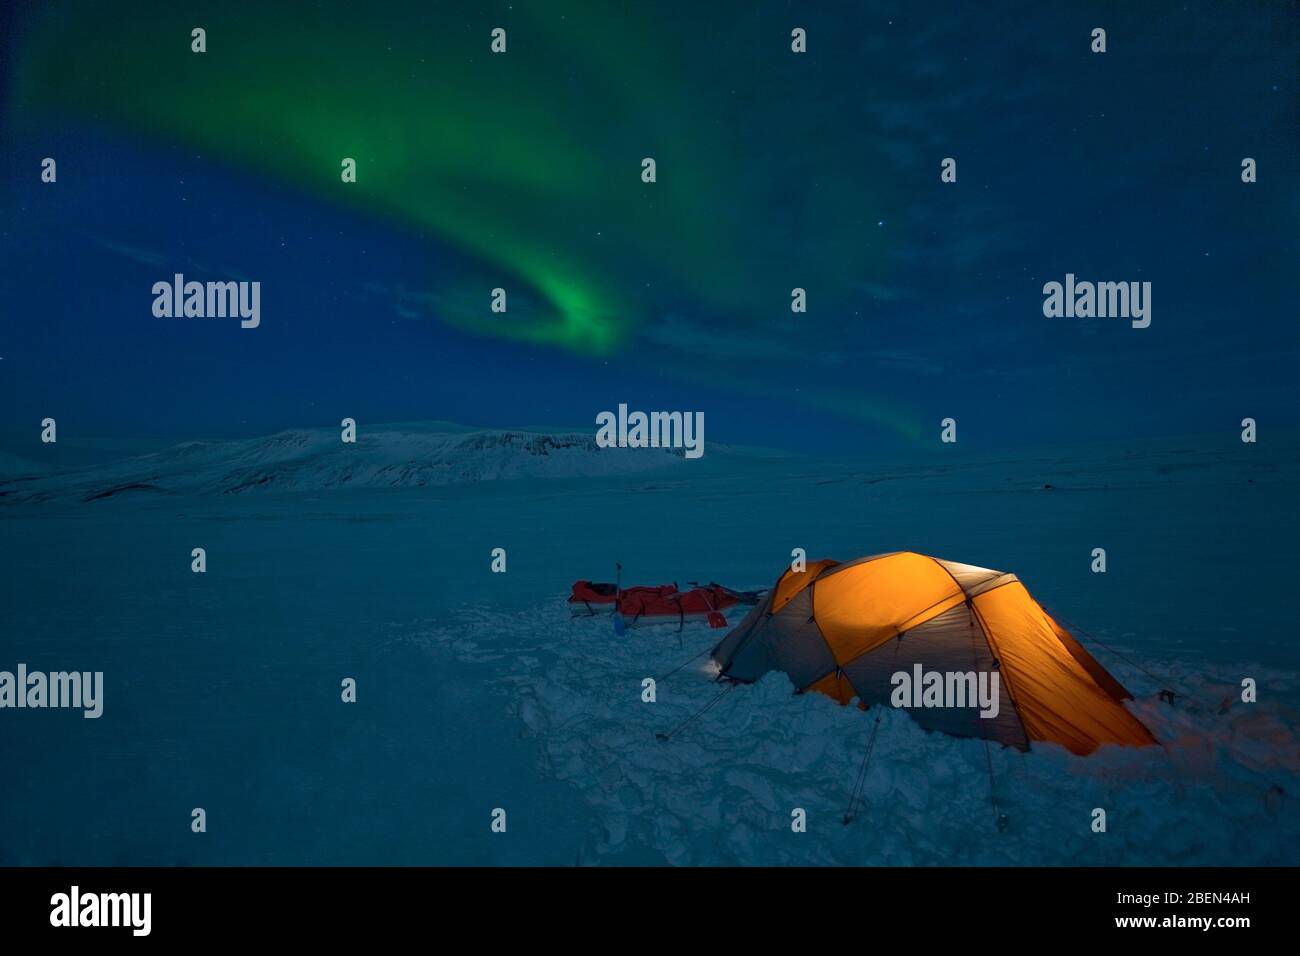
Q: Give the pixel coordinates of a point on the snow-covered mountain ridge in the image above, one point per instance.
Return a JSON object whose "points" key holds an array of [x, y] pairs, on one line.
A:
{"points": [[384, 457]]}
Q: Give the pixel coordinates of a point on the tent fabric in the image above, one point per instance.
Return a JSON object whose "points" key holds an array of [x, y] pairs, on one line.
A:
{"points": [[789, 642], [861, 606], [950, 643], [845, 630], [792, 583]]}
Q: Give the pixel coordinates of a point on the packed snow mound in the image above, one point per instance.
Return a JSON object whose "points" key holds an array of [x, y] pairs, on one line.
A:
{"points": [[1221, 790], [397, 457]]}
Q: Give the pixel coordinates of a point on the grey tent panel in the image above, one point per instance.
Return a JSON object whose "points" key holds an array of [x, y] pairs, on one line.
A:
{"points": [[951, 644], [789, 641], [741, 633]]}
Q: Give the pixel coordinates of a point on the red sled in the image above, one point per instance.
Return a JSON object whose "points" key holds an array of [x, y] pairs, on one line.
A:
{"points": [[663, 604]]}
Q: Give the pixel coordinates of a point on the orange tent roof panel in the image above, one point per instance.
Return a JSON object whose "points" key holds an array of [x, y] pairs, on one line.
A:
{"points": [[860, 606], [1056, 697], [792, 582]]}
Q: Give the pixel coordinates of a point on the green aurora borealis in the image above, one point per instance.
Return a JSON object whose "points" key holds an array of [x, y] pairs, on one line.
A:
{"points": [[775, 170], [527, 162]]}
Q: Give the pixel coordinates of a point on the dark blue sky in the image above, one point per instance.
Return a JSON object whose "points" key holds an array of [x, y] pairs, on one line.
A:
{"points": [[1122, 166]]}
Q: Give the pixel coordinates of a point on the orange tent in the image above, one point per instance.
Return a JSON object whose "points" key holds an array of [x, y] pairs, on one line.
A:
{"points": [[866, 628]]}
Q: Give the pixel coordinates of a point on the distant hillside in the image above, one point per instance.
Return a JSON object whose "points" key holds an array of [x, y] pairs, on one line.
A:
{"points": [[13, 465], [402, 456]]}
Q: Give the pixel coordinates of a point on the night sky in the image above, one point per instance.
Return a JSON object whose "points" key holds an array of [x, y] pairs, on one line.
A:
{"points": [[775, 170]]}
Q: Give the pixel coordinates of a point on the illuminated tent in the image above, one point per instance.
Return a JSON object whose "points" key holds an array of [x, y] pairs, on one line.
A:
{"points": [[846, 630]]}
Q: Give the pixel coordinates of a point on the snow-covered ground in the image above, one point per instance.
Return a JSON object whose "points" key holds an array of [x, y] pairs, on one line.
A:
{"points": [[476, 691], [723, 788]]}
